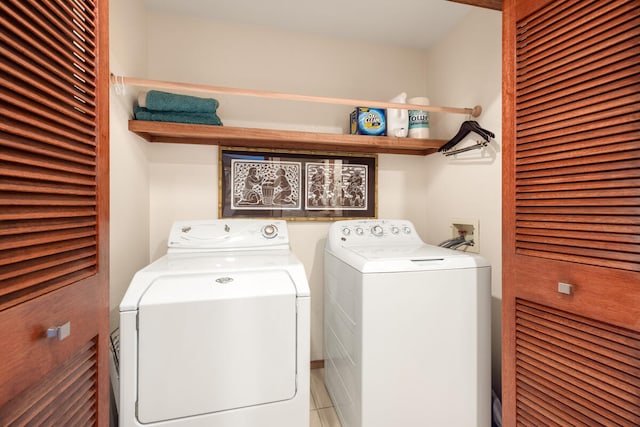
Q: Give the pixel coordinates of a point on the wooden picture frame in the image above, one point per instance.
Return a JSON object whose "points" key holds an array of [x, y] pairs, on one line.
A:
{"points": [[292, 185]]}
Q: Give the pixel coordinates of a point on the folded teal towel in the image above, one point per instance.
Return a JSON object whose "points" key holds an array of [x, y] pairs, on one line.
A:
{"points": [[165, 101], [177, 117]]}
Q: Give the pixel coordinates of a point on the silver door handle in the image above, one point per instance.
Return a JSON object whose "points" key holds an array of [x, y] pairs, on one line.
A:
{"points": [[60, 332], [565, 288]]}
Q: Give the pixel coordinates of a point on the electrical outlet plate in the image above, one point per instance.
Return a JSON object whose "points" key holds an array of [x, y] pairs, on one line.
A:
{"points": [[471, 230]]}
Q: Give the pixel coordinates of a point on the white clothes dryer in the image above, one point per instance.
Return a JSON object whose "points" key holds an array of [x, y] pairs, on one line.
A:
{"points": [[216, 332], [407, 328]]}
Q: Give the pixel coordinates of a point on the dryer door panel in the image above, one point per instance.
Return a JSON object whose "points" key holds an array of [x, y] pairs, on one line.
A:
{"points": [[212, 343]]}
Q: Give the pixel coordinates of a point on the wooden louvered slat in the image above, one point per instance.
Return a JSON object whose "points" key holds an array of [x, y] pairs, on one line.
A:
{"points": [[587, 241], [606, 162], [567, 49], [563, 50], [46, 147], [578, 208], [49, 275], [41, 32], [76, 380], [29, 64], [594, 91], [534, 338], [42, 289], [37, 239], [560, 354], [567, 394], [622, 76], [24, 117], [580, 226], [540, 411], [584, 133], [37, 164], [42, 263], [26, 187], [87, 15], [614, 174], [43, 251], [569, 76], [549, 53], [45, 400], [47, 175], [34, 226], [34, 140], [65, 22], [67, 94], [600, 237], [576, 122], [53, 113], [558, 185], [562, 412], [46, 199], [581, 194], [48, 156], [608, 100], [574, 410], [48, 213], [567, 254]]}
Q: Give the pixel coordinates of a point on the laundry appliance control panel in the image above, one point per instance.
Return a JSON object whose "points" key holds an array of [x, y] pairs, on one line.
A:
{"points": [[376, 231], [228, 235]]}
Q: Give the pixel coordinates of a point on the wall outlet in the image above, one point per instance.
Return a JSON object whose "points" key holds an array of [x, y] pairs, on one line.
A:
{"points": [[469, 228]]}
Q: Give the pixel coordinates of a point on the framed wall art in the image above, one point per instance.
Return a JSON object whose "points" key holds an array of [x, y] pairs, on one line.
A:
{"points": [[261, 183]]}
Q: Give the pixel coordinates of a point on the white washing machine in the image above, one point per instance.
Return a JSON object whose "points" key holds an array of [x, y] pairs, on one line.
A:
{"points": [[407, 329], [216, 332]]}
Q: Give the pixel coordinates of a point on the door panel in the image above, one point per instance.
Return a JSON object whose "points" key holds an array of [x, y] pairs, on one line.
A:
{"points": [[54, 175], [571, 203]]}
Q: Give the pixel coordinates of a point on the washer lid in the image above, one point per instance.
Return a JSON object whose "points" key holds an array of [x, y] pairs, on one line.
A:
{"points": [[406, 257], [215, 342]]}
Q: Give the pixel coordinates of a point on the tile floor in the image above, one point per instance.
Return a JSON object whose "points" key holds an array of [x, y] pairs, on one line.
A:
{"points": [[323, 413]]}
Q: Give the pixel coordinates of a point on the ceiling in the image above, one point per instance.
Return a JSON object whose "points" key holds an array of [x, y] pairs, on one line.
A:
{"points": [[406, 23]]}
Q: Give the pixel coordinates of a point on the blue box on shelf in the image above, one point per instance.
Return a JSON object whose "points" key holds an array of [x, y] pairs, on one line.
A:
{"points": [[368, 121]]}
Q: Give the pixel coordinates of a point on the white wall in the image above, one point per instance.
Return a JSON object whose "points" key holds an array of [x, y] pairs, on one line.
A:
{"points": [[183, 179], [465, 70], [129, 178]]}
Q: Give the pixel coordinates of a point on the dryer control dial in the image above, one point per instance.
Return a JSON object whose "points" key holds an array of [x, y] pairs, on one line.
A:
{"points": [[270, 231], [377, 230], [406, 229], [346, 231], [359, 231], [395, 230]]}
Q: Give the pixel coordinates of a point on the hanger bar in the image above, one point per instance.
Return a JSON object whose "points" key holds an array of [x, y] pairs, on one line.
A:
{"points": [[478, 145], [120, 81]]}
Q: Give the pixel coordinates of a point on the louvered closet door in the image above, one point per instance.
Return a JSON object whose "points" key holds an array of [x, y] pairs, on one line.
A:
{"points": [[53, 211], [571, 213]]}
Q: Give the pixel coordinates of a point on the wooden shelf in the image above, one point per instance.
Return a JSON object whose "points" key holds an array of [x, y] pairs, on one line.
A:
{"points": [[280, 139]]}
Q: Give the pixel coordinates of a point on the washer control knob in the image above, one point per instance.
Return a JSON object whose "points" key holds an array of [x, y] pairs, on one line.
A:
{"points": [[395, 230], [270, 231], [359, 231], [346, 231], [377, 230], [406, 229]]}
